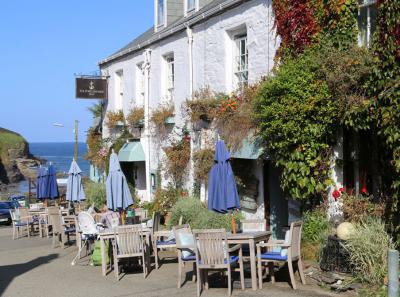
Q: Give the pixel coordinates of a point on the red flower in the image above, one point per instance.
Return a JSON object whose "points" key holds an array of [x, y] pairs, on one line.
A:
{"points": [[342, 190], [336, 194], [364, 190]]}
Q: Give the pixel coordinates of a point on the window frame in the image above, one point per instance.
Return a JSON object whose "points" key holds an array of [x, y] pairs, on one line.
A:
{"points": [[169, 76], [365, 36], [241, 60], [190, 9], [162, 15]]}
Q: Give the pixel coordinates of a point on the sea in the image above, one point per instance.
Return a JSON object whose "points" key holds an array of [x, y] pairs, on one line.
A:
{"points": [[60, 155]]}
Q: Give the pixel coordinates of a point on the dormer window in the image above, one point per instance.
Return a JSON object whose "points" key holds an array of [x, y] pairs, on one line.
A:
{"points": [[160, 12], [190, 5]]}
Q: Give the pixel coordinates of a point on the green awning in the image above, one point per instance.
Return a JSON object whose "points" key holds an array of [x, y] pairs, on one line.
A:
{"points": [[249, 150], [131, 152]]}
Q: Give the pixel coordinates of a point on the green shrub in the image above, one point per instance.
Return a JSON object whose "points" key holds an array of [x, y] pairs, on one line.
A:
{"points": [[368, 248], [95, 193], [149, 206], [196, 214], [316, 227]]}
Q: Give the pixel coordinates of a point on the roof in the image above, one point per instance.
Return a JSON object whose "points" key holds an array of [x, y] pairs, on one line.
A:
{"points": [[149, 37]]}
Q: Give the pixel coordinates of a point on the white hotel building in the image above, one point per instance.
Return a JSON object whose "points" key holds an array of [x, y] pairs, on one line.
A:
{"points": [[194, 44]]}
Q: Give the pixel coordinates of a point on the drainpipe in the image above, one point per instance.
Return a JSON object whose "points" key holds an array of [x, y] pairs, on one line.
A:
{"points": [[146, 69], [189, 33]]}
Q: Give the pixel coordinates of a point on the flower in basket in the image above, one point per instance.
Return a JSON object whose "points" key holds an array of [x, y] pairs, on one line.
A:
{"points": [[103, 153]]}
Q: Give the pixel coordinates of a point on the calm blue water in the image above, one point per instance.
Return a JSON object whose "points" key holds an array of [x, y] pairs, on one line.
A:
{"points": [[61, 154]]}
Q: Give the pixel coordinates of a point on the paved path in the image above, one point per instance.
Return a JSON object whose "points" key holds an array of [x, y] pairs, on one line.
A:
{"points": [[30, 267]]}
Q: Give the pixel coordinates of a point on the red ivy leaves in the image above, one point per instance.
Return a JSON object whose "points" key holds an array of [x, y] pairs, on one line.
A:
{"points": [[295, 24]]}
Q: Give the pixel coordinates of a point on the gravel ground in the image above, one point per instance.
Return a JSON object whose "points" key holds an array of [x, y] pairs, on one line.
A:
{"points": [[30, 267]]}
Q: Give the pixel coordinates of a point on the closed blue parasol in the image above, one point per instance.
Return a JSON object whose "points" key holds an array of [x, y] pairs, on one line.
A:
{"points": [[41, 183], [75, 191], [51, 187], [222, 191], [118, 195]]}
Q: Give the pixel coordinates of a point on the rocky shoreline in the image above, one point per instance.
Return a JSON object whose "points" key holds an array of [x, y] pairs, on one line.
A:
{"points": [[16, 162]]}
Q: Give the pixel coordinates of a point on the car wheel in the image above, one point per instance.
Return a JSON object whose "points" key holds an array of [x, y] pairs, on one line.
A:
{"points": [[9, 222]]}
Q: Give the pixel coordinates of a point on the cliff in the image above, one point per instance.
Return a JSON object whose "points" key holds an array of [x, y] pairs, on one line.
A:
{"points": [[16, 162]]}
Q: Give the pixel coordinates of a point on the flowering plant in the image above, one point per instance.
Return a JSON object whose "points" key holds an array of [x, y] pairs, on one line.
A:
{"points": [[337, 193]]}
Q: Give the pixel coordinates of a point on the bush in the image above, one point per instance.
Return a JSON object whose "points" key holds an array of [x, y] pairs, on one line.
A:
{"points": [[165, 199], [314, 234], [195, 213], [368, 248], [95, 193], [316, 227]]}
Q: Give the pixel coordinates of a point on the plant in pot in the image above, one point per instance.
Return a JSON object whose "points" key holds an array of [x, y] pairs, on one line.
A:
{"points": [[162, 116], [135, 117]]}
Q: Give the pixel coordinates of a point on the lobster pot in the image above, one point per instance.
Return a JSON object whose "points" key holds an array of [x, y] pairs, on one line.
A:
{"points": [[334, 256]]}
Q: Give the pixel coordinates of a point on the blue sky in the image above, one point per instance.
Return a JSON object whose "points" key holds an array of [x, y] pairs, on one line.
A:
{"points": [[43, 43]]}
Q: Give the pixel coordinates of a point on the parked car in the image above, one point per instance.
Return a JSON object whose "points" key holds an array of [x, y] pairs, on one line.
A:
{"points": [[5, 216]]}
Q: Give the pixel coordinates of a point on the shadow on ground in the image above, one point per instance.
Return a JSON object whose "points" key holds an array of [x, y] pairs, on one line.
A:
{"points": [[9, 272]]}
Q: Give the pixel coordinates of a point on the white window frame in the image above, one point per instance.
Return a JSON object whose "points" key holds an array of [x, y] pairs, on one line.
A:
{"points": [[160, 19], [140, 84], [241, 60], [169, 77], [368, 5], [188, 9], [119, 89]]}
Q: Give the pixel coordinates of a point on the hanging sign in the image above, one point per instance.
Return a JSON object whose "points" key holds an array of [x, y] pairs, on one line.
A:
{"points": [[91, 88]]}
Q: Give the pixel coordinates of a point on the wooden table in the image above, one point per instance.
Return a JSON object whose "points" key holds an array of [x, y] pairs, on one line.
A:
{"points": [[250, 238], [108, 234]]}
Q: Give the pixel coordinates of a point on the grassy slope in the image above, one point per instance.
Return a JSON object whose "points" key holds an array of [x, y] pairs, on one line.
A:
{"points": [[9, 139]]}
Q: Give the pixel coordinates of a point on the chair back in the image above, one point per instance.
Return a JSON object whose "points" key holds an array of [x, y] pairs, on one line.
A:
{"points": [[129, 240], [112, 219], [254, 225], [295, 238], [212, 246], [86, 223], [156, 221], [14, 215], [54, 216], [178, 230]]}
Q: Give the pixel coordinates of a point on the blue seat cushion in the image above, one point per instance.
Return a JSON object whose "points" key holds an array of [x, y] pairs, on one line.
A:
{"points": [[70, 230], [273, 256], [166, 242], [233, 259], [189, 258], [22, 224]]}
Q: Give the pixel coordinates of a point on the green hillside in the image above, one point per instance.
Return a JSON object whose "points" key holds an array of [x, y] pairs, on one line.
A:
{"points": [[10, 139]]}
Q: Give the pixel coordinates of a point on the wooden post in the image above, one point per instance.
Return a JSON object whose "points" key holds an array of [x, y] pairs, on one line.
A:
{"points": [[76, 141]]}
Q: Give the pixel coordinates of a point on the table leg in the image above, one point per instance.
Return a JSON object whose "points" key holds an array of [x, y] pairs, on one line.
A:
{"points": [[253, 265], [103, 257]]}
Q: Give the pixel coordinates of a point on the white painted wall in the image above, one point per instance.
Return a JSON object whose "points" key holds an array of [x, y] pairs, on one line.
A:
{"points": [[212, 66]]}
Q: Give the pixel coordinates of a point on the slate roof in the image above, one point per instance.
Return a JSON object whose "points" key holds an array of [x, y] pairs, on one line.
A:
{"points": [[144, 39]]}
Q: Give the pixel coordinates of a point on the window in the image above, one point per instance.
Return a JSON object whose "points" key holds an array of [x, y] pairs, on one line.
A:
{"points": [[160, 12], [366, 21], [190, 5], [169, 77], [119, 89], [241, 60], [140, 83]]}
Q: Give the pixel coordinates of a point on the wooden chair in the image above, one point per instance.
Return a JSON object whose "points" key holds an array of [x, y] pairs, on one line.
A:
{"points": [[20, 220], [254, 225], [158, 238], [213, 253], [186, 249], [128, 243], [57, 227], [293, 255]]}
